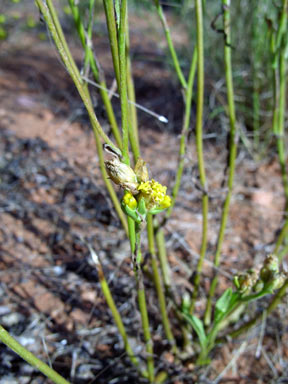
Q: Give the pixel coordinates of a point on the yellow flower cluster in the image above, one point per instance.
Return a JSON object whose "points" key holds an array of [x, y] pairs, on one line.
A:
{"points": [[154, 194]]}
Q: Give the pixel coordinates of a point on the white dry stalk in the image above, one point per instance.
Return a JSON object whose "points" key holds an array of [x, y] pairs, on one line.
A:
{"points": [[232, 362], [161, 118]]}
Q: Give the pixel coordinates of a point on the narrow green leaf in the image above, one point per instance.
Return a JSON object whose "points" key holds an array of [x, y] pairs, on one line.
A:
{"points": [[224, 303], [198, 328]]}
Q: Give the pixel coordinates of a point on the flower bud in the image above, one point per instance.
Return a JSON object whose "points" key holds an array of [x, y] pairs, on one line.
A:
{"points": [[270, 268], [278, 281], [244, 283], [258, 286], [271, 262], [129, 199]]}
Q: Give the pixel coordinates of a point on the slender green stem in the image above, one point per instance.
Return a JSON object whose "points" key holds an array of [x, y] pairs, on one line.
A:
{"points": [[8, 340], [112, 31], [88, 40], [48, 11], [170, 44], [123, 82], [281, 117], [199, 145], [116, 315], [133, 123], [183, 138], [278, 50], [256, 66], [232, 152], [98, 74], [158, 284], [137, 259], [283, 253], [281, 237], [69, 63], [162, 254], [166, 274]]}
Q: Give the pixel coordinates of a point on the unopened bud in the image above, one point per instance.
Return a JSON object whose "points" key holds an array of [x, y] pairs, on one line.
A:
{"points": [[244, 283], [270, 268], [129, 199], [278, 281], [258, 286], [271, 262]]}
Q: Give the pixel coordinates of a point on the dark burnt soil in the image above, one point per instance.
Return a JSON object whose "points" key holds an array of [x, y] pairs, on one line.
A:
{"points": [[52, 197]]}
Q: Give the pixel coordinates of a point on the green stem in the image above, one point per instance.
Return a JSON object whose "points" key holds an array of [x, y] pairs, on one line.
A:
{"points": [[232, 153], [69, 63], [256, 66], [283, 253], [278, 49], [170, 44], [116, 315], [281, 237], [186, 123], [48, 11], [112, 32], [166, 274], [8, 340], [133, 122], [123, 81], [281, 119], [137, 259], [96, 70], [199, 145], [158, 284], [164, 265]]}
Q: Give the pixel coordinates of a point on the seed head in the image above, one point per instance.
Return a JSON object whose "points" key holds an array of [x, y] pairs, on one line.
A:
{"points": [[122, 175]]}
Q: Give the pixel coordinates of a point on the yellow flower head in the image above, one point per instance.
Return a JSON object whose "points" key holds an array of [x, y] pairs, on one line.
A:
{"points": [[154, 194], [166, 202]]}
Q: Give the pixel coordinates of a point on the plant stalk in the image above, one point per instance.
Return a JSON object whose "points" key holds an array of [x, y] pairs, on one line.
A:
{"points": [[199, 145], [13, 344], [86, 41], [133, 122], [172, 50], [112, 32], [135, 234], [232, 154], [123, 82], [50, 16], [158, 284], [115, 313], [183, 139]]}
